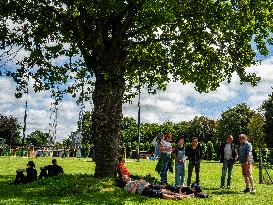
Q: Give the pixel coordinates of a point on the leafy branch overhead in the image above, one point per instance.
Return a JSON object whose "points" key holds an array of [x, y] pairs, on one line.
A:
{"points": [[188, 41]]}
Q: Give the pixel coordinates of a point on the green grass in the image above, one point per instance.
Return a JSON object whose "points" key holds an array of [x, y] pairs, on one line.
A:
{"points": [[78, 186]]}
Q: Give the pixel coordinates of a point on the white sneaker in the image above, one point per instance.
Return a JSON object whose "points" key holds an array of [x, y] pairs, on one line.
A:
{"points": [[253, 191]]}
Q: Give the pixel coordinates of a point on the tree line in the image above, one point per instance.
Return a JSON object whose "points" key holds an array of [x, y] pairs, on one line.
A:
{"points": [[257, 124]]}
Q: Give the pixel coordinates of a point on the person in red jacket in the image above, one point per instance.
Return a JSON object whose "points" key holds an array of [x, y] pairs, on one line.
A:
{"points": [[122, 170]]}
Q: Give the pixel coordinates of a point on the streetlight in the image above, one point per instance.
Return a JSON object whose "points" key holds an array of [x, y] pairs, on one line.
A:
{"points": [[138, 123]]}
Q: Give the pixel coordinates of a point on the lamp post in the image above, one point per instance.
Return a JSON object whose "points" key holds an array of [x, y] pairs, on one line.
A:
{"points": [[138, 125], [25, 118]]}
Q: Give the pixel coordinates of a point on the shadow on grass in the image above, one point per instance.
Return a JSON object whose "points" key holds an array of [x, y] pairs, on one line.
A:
{"points": [[66, 189], [211, 161], [218, 191]]}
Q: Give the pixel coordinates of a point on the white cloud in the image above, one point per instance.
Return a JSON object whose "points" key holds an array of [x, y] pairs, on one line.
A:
{"points": [[223, 93], [38, 113], [178, 103]]}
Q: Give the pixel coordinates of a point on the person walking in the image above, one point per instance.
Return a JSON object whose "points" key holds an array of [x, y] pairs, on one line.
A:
{"points": [[228, 155], [246, 161]]}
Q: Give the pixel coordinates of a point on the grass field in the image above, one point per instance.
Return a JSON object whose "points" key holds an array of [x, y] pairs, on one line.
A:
{"points": [[78, 186]]}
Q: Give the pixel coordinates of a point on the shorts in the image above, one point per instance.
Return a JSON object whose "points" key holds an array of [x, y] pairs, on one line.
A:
{"points": [[246, 169]]}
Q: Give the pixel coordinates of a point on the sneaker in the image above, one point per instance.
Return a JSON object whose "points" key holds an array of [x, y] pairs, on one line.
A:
{"points": [[228, 187], [222, 187], [253, 191], [246, 190]]}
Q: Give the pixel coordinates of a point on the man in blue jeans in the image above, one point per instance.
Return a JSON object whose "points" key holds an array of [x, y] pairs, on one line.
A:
{"points": [[228, 155]]}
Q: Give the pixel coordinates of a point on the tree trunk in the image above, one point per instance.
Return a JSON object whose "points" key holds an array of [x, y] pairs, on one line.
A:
{"points": [[107, 99]]}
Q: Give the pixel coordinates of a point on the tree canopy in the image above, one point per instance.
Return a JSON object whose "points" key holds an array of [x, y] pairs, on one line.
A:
{"points": [[235, 121], [123, 45], [9, 130], [39, 138]]}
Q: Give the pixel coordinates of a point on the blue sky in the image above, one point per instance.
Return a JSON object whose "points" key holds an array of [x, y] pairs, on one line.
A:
{"points": [[177, 103]]}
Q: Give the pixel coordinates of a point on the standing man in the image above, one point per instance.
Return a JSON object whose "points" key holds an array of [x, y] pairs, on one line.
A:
{"points": [[194, 154], [228, 155], [246, 160]]}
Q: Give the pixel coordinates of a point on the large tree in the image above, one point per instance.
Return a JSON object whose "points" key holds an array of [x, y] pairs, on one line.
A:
{"points": [[125, 44]]}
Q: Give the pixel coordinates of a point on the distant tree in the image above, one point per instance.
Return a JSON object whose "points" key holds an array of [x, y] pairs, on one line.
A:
{"points": [[235, 121], [10, 130], [67, 142], [267, 107], [87, 133], [38, 138], [256, 129], [203, 128], [182, 129]]}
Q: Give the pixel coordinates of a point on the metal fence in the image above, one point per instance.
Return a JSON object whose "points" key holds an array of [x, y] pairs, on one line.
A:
{"points": [[265, 158], [46, 151]]}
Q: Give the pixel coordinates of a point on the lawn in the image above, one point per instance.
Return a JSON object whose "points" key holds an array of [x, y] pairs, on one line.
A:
{"points": [[78, 186]]}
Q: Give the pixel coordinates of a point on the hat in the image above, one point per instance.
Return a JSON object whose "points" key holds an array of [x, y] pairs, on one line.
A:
{"points": [[197, 187]]}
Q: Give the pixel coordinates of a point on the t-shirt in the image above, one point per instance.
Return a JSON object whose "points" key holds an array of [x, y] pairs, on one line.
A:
{"points": [[166, 145], [228, 152], [245, 150], [136, 186]]}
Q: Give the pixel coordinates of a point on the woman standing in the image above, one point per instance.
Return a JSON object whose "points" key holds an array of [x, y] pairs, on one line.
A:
{"points": [[180, 163], [165, 162]]}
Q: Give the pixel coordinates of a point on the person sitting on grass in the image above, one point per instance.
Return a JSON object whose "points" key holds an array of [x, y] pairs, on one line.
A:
{"points": [[43, 172], [51, 170], [31, 174], [54, 169], [121, 168]]}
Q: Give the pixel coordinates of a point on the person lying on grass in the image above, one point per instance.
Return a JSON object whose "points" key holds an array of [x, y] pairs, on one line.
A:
{"points": [[144, 188], [31, 174]]}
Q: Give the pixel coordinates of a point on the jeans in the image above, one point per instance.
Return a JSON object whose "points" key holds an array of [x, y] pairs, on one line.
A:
{"points": [[227, 166], [192, 165], [179, 174], [165, 167]]}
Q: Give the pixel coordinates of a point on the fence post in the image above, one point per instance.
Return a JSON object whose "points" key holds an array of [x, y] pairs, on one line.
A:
{"points": [[261, 167]]}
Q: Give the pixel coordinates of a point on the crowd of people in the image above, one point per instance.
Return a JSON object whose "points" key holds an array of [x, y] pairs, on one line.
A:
{"points": [[137, 184], [166, 153], [31, 173], [229, 154]]}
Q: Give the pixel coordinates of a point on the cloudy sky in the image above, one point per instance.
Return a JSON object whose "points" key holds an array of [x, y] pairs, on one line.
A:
{"points": [[177, 103]]}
